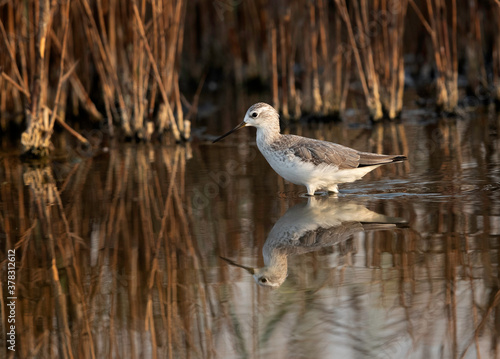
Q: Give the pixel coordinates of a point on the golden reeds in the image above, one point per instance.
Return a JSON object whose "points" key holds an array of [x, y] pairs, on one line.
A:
{"points": [[134, 51], [318, 61], [120, 62], [442, 28], [135, 63], [27, 38], [376, 32]]}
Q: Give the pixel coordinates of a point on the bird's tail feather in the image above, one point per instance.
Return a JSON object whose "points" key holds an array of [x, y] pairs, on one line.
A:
{"points": [[372, 159]]}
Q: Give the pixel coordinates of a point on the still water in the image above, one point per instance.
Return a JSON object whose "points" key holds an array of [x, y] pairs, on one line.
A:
{"points": [[119, 252]]}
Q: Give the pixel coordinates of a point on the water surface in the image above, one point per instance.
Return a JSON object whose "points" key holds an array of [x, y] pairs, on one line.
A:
{"points": [[118, 253]]}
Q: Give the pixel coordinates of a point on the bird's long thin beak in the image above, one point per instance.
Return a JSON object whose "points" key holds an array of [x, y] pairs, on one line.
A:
{"points": [[248, 269], [243, 124]]}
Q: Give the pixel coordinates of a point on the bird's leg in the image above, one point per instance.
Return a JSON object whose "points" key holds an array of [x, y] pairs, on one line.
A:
{"points": [[333, 189], [310, 190]]}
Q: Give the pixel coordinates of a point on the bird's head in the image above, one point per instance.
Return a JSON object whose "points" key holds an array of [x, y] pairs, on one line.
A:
{"points": [[265, 277], [268, 278], [260, 115]]}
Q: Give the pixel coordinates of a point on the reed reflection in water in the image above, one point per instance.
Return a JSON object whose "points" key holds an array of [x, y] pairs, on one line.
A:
{"points": [[118, 255]]}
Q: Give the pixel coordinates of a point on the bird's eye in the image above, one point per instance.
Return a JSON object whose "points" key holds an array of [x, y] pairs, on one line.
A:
{"points": [[254, 114], [263, 280]]}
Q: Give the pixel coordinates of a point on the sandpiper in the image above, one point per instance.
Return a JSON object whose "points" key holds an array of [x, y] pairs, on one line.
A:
{"points": [[318, 165]]}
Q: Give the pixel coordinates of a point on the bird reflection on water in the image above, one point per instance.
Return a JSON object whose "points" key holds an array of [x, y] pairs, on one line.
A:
{"points": [[309, 227]]}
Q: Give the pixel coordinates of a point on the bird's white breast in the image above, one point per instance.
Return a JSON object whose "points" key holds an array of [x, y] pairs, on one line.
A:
{"points": [[287, 165]]}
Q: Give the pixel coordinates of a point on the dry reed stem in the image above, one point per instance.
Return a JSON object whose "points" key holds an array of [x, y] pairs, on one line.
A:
{"points": [[378, 56], [175, 128], [36, 138], [330, 99], [345, 87], [445, 54], [15, 84], [371, 96], [43, 189], [292, 47], [274, 66], [284, 85], [108, 73], [316, 94], [62, 77], [10, 51], [193, 108], [76, 84]]}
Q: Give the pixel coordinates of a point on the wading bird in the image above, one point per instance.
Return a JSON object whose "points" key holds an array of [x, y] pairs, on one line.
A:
{"points": [[318, 165]]}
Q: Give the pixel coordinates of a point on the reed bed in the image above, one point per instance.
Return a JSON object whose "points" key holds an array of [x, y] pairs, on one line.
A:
{"points": [[304, 51], [442, 28], [295, 47], [378, 51], [120, 63], [59, 53]]}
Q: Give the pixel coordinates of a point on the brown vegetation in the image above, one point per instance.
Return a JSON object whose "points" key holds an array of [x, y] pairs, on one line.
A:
{"points": [[119, 62], [442, 27], [378, 51], [54, 49]]}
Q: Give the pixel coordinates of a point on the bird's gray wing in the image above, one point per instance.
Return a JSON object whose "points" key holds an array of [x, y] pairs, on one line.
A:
{"points": [[314, 240], [322, 152], [333, 154]]}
